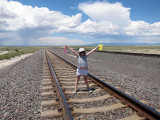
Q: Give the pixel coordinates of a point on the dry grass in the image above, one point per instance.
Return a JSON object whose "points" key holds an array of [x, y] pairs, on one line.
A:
{"points": [[131, 49]]}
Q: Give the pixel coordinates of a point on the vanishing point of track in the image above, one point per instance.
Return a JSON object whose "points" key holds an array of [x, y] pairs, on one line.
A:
{"points": [[106, 102]]}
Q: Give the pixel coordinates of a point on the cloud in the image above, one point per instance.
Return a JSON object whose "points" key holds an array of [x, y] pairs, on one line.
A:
{"points": [[104, 11], [68, 24], [53, 41], [23, 24], [149, 39], [112, 20], [93, 28], [31, 23], [19, 16], [141, 28]]}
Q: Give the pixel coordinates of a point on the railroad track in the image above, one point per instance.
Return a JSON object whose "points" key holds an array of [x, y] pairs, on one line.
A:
{"points": [[135, 54], [129, 53], [106, 102]]}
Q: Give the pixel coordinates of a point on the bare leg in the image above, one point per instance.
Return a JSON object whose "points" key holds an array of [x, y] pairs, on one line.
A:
{"points": [[86, 82], [77, 80]]}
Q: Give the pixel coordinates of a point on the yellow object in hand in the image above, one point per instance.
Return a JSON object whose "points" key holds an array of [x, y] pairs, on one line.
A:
{"points": [[100, 46]]}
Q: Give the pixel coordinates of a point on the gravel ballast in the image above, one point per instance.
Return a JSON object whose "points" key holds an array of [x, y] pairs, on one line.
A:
{"points": [[137, 75], [20, 88]]}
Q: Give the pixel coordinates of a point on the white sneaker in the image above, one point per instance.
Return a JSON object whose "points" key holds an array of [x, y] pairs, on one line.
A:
{"points": [[75, 91], [90, 90]]}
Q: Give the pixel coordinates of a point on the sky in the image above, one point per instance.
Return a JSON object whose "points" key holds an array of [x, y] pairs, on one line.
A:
{"points": [[78, 22]]}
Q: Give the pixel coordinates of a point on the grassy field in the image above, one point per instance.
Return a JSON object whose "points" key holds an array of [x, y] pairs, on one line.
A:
{"points": [[131, 49], [16, 51]]}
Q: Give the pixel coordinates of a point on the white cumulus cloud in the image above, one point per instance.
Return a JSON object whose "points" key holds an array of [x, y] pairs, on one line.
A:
{"points": [[141, 28], [53, 41], [24, 25], [104, 11], [92, 28], [31, 23], [113, 20], [18, 16]]}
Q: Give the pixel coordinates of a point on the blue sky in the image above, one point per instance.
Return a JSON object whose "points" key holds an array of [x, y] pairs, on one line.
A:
{"points": [[146, 10], [78, 22]]}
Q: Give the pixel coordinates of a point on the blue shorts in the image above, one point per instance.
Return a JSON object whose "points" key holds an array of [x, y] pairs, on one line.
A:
{"points": [[81, 72]]}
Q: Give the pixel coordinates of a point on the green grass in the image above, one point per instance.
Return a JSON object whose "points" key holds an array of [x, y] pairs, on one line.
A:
{"points": [[16, 51]]}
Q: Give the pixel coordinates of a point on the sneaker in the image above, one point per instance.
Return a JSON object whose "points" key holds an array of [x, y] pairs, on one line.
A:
{"points": [[75, 91], [90, 90]]}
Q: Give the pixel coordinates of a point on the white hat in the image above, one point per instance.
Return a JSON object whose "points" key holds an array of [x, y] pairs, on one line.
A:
{"points": [[81, 49]]}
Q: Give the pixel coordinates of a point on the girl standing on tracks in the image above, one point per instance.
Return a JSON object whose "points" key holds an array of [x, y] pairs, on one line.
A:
{"points": [[82, 66]]}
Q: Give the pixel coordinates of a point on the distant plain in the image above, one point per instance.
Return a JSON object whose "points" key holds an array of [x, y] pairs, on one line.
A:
{"points": [[131, 49]]}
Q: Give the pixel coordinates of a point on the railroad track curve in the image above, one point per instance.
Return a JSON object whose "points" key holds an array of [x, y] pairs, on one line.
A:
{"points": [[106, 102]]}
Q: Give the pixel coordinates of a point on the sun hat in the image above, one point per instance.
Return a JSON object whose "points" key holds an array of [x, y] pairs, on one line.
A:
{"points": [[81, 49]]}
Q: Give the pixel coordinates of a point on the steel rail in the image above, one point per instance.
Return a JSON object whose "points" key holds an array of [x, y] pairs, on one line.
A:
{"points": [[128, 53], [66, 110], [138, 106]]}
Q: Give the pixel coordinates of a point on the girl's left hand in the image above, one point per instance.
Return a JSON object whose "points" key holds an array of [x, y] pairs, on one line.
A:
{"points": [[66, 46]]}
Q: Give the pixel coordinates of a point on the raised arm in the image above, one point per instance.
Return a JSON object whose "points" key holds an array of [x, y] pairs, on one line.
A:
{"points": [[72, 50], [92, 51]]}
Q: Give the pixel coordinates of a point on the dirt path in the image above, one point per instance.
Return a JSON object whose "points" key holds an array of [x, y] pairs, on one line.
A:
{"points": [[4, 63]]}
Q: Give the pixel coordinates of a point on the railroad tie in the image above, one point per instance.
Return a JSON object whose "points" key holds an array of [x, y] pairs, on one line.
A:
{"points": [[49, 102], [133, 117], [98, 109], [47, 88], [89, 99], [83, 92], [47, 94], [50, 114]]}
